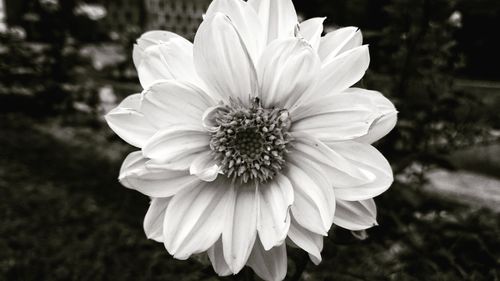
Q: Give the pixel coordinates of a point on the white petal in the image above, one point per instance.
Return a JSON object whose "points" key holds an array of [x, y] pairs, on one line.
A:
{"points": [[240, 228], [150, 38], [135, 174], [278, 17], [222, 59], [175, 102], [209, 116], [128, 123], [245, 19], [339, 41], [177, 145], [169, 60], [311, 30], [368, 158], [153, 221], [338, 117], [205, 167], [287, 68], [342, 172], [343, 71], [385, 123], [314, 204], [216, 256], [275, 200], [308, 241], [356, 215], [269, 265], [195, 218]]}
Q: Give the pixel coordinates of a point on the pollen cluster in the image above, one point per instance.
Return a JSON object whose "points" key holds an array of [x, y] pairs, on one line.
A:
{"points": [[251, 143]]}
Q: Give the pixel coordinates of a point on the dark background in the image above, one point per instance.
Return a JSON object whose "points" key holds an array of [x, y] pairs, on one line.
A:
{"points": [[64, 216]]}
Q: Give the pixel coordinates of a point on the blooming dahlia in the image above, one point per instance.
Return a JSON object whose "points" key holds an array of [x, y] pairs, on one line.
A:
{"points": [[253, 137]]}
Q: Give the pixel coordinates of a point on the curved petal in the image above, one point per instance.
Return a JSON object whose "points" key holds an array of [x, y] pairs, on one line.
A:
{"points": [[204, 167], [342, 172], [286, 70], [245, 19], [382, 125], [343, 71], [339, 41], [153, 221], [150, 38], [355, 215], [209, 116], [311, 30], [306, 240], [128, 123], [240, 229], [222, 59], [314, 204], [368, 158], [169, 60], [278, 17], [269, 265], [177, 145], [338, 117], [175, 102], [216, 256], [135, 174], [195, 218], [275, 200]]}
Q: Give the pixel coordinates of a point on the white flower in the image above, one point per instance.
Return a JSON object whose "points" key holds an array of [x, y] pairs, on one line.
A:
{"points": [[252, 136]]}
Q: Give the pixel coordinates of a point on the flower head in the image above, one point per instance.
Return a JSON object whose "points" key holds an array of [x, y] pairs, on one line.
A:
{"points": [[253, 137]]}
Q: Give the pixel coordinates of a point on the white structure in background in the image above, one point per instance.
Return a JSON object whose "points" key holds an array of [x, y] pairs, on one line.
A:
{"points": [[3, 24], [179, 16]]}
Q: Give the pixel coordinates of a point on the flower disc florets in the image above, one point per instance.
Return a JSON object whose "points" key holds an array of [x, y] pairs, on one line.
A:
{"points": [[251, 143]]}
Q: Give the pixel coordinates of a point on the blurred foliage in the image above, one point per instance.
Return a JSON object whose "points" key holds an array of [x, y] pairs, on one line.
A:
{"points": [[42, 71], [415, 63]]}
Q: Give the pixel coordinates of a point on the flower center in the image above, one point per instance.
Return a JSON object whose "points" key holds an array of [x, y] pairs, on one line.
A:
{"points": [[251, 143]]}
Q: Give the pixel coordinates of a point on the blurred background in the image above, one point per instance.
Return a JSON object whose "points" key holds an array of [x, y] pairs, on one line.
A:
{"points": [[64, 216]]}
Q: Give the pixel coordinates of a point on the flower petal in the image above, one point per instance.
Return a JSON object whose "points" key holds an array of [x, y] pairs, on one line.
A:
{"points": [[195, 218], [342, 172], [153, 221], [216, 256], [385, 123], [128, 123], [338, 117], [204, 167], [208, 119], [356, 215], [368, 158], [314, 204], [147, 39], [306, 240], [269, 265], [222, 59], [169, 60], [177, 145], [245, 20], [135, 174], [343, 71], [286, 70], [339, 41], [175, 102], [278, 17], [275, 200], [240, 228], [311, 29]]}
